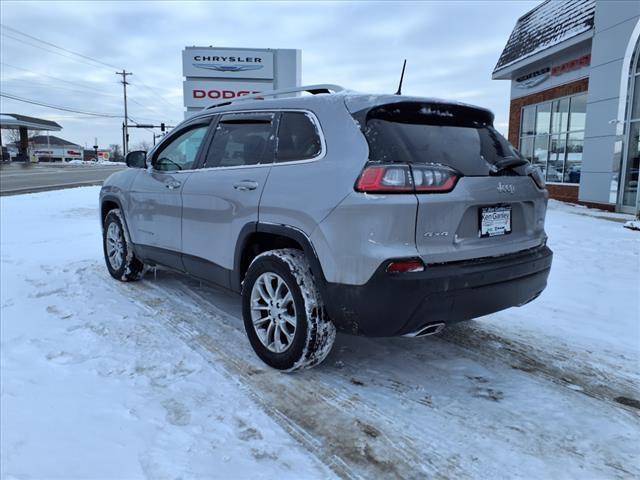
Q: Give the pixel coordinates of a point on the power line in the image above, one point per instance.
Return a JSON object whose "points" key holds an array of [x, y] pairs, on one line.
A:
{"points": [[150, 109], [69, 88], [50, 50], [96, 63], [57, 46], [55, 107], [61, 79], [101, 64], [77, 85], [155, 92]]}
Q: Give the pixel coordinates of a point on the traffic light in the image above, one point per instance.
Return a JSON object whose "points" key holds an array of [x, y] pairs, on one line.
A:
{"points": [[162, 127]]}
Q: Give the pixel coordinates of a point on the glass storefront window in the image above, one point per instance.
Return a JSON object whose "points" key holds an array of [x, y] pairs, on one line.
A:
{"points": [[578, 112], [557, 150], [528, 120], [541, 152], [526, 148], [552, 137], [575, 143], [630, 192], [543, 118], [560, 116], [635, 107]]}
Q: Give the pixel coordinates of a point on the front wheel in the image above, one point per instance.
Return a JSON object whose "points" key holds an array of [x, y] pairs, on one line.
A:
{"points": [[118, 252], [283, 313]]}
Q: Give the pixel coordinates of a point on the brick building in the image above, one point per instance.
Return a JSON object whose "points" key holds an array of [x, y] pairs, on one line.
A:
{"points": [[575, 98]]}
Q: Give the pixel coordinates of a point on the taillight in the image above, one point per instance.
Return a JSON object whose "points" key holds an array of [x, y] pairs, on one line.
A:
{"points": [[537, 175], [400, 178], [433, 178], [385, 178], [406, 266]]}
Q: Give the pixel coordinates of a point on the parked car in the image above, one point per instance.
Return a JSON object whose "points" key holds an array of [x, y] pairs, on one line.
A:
{"points": [[377, 215]]}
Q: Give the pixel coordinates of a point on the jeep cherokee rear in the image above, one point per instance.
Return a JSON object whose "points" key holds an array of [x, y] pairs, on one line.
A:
{"points": [[375, 215]]}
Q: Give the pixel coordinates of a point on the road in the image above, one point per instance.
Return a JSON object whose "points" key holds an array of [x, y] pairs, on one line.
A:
{"points": [[19, 178]]}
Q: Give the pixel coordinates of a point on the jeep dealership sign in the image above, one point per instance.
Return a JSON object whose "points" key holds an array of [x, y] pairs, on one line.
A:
{"points": [[217, 74]]}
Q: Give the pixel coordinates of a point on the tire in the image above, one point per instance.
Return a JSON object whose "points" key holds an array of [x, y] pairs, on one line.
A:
{"points": [[281, 344], [122, 264]]}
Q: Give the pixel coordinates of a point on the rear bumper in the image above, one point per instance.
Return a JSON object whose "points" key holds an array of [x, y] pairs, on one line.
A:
{"points": [[390, 305]]}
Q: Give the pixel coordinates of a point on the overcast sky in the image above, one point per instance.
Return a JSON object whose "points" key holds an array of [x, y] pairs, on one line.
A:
{"points": [[451, 49]]}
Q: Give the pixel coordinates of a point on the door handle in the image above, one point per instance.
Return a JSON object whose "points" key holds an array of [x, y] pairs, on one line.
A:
{"points": [[246, 185], [172, 185]]}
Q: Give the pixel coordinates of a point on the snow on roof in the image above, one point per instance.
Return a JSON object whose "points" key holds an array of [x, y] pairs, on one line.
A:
{"points": [[547, 25]]}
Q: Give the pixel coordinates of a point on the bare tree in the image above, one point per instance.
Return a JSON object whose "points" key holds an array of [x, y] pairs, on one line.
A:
{"points": [[143, 145], [116, 152], [13, 135]]}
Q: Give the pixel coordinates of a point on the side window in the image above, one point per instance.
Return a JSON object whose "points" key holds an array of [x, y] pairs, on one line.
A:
{"points": [[242, 139], [298, 138], [182, 152]]}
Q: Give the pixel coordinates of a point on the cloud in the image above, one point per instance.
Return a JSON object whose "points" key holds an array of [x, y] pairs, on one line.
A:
{"points": [[451, 49]]}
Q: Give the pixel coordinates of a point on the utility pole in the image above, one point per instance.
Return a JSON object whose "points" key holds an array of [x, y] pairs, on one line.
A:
{"points": [[125, 125]]}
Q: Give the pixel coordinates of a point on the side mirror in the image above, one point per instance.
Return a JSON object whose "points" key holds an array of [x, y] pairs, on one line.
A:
{"points": [[137, 159]]}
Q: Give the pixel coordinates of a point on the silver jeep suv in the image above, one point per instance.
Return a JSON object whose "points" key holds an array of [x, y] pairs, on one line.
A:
{"points": [[378, 215]]}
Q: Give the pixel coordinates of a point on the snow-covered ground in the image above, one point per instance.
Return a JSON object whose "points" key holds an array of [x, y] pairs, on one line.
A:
{"points": [[156, 379]]}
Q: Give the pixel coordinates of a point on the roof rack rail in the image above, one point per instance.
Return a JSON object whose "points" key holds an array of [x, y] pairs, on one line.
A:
{"points": [[313, 89]]}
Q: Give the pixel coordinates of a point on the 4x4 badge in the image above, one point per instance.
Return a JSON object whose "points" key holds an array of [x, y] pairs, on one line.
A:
{"points": [[506, 187]]}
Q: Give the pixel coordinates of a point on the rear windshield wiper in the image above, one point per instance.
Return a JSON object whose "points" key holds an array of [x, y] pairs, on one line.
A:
{"points": [[509, 162]]}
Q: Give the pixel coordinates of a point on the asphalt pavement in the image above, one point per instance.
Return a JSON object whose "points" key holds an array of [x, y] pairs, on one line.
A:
{"points": [[16, 178]]}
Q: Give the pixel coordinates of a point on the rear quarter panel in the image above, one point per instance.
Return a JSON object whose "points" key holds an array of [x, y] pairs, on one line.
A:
{"points": [[302, 194], [364, 230]]}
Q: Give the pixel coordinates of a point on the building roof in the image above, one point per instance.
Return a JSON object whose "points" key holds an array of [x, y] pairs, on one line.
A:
{"points": [[13, 120], [549, 24], [53, 141]]}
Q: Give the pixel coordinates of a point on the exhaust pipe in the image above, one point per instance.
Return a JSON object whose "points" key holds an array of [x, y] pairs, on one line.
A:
{"points": [[430, 329]]}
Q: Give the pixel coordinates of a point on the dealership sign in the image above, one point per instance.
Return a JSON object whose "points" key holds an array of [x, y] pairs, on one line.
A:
{"points": [[227, 64], [571, 65], [202, 93], [537, 77]]}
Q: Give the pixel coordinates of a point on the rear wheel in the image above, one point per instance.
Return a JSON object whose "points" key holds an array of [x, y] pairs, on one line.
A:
{"points": [[283, 313], [118, 252]]}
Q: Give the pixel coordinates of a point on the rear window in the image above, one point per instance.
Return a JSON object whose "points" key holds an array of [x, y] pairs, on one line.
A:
{"points": [[298, 138], [456, 136]]}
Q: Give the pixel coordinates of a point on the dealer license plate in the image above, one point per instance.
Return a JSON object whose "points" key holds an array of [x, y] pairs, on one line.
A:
{"points": [[495, 221]]}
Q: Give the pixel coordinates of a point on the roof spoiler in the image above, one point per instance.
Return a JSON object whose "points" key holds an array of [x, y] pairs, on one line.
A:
{"points": [[312, 89]]}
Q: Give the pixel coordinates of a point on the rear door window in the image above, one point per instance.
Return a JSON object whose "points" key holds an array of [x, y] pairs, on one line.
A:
{"points": [[298, 137], [455, 136], [242, 139]]}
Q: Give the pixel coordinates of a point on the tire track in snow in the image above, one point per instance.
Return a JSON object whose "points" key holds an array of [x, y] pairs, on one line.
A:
{"points": [[330, 411], [566, 368], [345, 440]]}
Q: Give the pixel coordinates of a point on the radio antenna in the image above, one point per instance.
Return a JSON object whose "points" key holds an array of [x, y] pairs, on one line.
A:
{"points": [[399, 92]]}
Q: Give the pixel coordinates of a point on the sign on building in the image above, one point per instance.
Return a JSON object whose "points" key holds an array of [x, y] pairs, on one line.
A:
{"points": [[217, 74]]}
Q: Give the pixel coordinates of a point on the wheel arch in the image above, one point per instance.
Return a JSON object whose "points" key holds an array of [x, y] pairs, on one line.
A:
{"points": [[108, 203], [256, 238]]}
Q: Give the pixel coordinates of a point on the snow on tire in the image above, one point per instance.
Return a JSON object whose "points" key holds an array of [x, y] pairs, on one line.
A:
{"points": [[283, 313], [118, 253]]}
